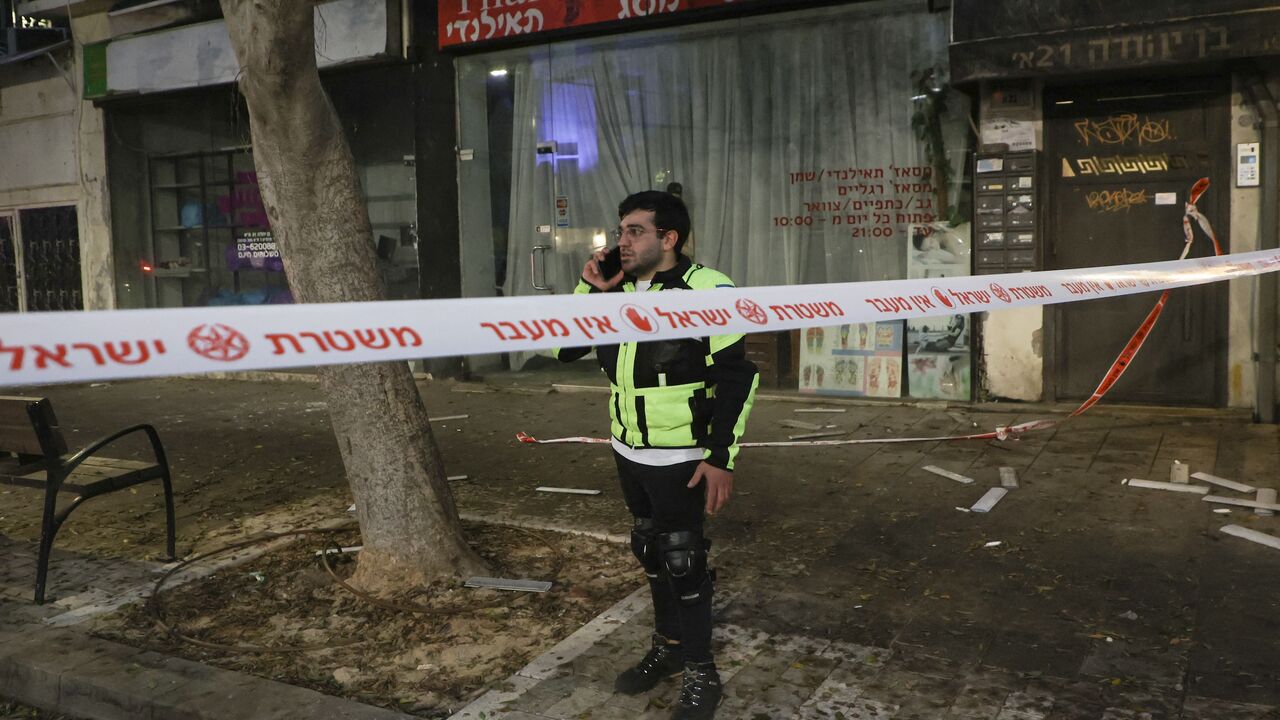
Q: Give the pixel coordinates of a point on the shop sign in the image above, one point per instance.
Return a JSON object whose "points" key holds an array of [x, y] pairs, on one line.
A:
{"points": [[256, 250], [471, 21]]}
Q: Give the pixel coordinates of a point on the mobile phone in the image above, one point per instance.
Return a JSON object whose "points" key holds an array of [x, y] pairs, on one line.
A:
{"points": [[612, 263]]}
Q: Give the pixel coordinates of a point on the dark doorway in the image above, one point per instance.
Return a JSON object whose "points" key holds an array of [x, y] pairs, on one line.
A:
{"points": [[51, 258], [1120, 163]]}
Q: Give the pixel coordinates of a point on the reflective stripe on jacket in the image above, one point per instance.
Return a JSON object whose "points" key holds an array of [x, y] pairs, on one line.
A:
{"points": [[690, 392]]}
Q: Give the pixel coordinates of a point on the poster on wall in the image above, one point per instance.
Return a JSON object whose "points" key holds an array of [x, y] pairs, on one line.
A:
{"points": [[856, 360], [938, 357]]}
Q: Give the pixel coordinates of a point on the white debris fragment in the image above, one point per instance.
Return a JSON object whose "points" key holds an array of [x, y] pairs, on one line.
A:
{"points": [[799, 425], [948, 474], [1008, 477], [994, 543], [1229, 484], [335, 551], [1157, 485], [819, 410], [1222, 511], [1223, 500], [811, 436], [449, 417], [1261, 538], [567, 491], [1265, 496], [989, 500], [1179, 472]]}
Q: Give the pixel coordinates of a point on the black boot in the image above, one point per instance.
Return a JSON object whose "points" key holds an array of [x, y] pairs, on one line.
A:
{"points": [[700, 692], [663, 660]]}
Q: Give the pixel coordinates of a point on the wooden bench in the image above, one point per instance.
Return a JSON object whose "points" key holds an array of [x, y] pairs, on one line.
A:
{"points": [[33, 454]]}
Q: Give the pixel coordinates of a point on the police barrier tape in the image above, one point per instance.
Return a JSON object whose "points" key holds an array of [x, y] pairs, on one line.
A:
{"points": [[60, 347], [1109, 379]]}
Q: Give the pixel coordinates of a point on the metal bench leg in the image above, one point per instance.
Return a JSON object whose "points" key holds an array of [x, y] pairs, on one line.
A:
{"points": [[48, 529], [170, 545]]}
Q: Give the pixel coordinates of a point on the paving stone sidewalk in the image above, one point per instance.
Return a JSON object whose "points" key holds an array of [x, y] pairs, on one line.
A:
{"points": [[797, 677], [852, 585]]}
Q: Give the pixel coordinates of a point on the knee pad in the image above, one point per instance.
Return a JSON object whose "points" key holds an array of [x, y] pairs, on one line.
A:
{"points": [[644, 545], [684, 554]]}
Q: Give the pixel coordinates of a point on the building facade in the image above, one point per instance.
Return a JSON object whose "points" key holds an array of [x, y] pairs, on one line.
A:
{"points": [[1124, 108], [813, 142]]}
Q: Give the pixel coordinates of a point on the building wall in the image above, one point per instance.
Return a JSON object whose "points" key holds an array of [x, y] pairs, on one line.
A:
{"points": [[1012, 340], [52, 145]]}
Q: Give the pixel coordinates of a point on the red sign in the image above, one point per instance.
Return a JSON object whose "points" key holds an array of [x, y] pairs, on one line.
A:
{"points": [[472, 21]]}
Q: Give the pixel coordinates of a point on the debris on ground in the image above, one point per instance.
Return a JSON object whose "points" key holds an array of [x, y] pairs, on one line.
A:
{"points": [[948, 474], [467, 637], [1252, 535], [1172, 487]]}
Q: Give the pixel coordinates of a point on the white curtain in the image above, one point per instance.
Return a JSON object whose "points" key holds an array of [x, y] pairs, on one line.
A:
{"points": [[733, 115]]}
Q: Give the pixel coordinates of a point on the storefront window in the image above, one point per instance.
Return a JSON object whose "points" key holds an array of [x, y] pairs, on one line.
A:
{"points": [[790, 137], [190, 225]]}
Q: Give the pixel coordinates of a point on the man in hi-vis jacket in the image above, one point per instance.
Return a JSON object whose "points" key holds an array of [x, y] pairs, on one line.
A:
{"points": [[678, 409]]}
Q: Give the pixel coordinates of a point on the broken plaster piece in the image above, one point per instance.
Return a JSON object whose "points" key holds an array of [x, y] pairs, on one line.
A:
{"points": [[567, 491], [538, 586], [989, 500], [948, 474], [1008, 477], [1266, 496], [799, 425], [1223, 500], [1228, 484], [811, 436], [1157, 485], [1261, 538]]}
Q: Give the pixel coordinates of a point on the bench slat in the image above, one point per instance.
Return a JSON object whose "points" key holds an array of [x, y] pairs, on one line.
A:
{"points": [[18, 432], [116, 463]]}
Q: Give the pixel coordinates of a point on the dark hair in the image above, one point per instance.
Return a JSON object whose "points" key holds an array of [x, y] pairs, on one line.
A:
{"points": [[669, 212]]}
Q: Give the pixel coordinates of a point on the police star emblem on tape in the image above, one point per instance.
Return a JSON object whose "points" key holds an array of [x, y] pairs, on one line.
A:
{"points": [[218, 342], [998, 290], [751, 311]]}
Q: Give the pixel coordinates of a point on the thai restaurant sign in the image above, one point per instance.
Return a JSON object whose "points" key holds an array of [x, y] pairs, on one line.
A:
{"points": [[471, 21]]}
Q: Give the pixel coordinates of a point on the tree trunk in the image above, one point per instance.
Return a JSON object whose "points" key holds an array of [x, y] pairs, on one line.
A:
{"points": [[307, 175]]}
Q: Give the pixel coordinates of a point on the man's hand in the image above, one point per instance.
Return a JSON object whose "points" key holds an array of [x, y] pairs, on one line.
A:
{"points": [[719, 485], [591, 273]]}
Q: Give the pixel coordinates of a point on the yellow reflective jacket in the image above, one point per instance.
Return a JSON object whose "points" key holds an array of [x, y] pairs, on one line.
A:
{"points": [[682, 393]]}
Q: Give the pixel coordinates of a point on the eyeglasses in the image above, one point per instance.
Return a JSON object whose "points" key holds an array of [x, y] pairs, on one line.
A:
{"points": [[634, 232]]}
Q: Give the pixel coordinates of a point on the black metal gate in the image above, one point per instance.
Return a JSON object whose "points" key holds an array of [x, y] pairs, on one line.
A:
{"points": [[51, 258], [8, 267]]}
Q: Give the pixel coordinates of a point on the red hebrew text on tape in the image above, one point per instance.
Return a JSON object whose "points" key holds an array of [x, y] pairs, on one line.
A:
{"points": [[218, 342], [1028, 292], [806, 310], [676, 319], [908, 303], [42, 357], [344, 341]]}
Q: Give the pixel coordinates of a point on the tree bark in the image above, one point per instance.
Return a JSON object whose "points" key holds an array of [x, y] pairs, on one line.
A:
{"points": [[311, 191]]}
